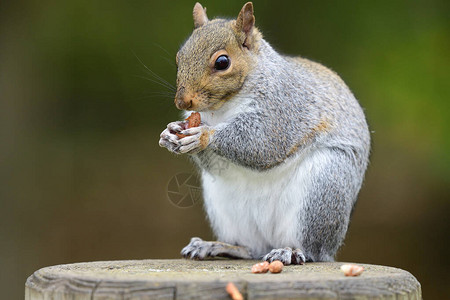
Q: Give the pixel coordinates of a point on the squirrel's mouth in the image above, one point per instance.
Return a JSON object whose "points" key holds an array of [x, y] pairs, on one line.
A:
{"points": [[192, 102], [198, 101], [183, 104]]}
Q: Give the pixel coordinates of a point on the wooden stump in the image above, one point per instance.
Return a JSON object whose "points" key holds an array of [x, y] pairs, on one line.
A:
{"points": [[186, 279]]}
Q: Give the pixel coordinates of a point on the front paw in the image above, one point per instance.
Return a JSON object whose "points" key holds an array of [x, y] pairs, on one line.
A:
{"points": [[195, 139], [286, 255], [169, 139]]}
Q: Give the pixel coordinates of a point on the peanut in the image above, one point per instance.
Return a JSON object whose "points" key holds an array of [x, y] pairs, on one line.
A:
{"points": [[261, 267], [276, 266], [352, 270], [193, 120]]}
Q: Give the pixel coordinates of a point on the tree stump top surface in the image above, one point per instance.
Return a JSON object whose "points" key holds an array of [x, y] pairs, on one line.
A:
{"points": [[186, 279]]}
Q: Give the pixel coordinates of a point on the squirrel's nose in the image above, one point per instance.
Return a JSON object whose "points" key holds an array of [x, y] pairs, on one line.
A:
{"points": [[183, 103]]}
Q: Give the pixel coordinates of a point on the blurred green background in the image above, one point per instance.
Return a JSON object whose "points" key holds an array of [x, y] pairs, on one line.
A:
{"points": [[83, 177]]}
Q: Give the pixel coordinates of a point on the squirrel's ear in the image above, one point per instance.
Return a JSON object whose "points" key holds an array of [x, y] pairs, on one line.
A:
{"points": [[200, 17], [246, 20]]}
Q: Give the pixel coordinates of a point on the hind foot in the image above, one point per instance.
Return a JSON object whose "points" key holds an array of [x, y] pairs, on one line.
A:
{"points": [[286, 255], [200, 249]]}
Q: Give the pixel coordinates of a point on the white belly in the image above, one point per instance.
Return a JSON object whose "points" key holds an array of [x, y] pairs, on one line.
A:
{"points": [[260, 210]]}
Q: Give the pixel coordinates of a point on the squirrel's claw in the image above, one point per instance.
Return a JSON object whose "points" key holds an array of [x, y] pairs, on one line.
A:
{"points": [[169, 140], [166, 144], [169, 136], [286, 255], [175, 126], [196, 249]]}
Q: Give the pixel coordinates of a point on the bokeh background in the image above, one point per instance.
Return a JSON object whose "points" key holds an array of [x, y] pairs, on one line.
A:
{"points": [[83, 177]]}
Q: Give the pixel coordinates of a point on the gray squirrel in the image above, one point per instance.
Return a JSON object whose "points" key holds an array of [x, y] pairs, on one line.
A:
{"points": [[294, 137]]}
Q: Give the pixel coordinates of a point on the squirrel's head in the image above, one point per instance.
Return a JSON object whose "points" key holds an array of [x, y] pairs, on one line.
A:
{"points": [[213, 63]]}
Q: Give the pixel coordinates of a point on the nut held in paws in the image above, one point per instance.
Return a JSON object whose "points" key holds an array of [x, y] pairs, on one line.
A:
{"points": [[276, 266], [193, 120], [261, 267]]}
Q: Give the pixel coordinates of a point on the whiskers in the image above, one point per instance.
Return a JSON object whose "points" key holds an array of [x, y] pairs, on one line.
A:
{"points": [[158, 80], [170, 61], [162, 95], [155, 77]]}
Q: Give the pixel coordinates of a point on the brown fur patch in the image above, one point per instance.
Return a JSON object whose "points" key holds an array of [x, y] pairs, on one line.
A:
{"points": [[204, 138], [293, 150], [323, 126]]}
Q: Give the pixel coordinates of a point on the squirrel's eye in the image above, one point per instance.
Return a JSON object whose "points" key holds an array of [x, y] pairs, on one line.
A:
{"points": [[222, 63]]}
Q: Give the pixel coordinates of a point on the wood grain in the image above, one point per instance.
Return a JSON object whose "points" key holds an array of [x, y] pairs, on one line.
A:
{"points": [[185, 279]]}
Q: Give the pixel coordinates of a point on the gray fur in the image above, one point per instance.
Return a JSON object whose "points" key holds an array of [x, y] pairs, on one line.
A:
{"points": [[289, 100], [295, 109]]}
